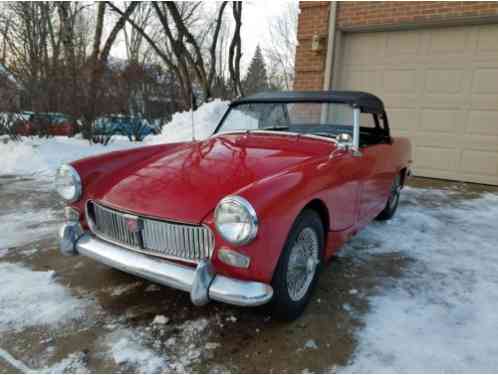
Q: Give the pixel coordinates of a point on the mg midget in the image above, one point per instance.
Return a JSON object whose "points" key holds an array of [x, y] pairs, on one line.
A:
{"points": [[250, 215]]}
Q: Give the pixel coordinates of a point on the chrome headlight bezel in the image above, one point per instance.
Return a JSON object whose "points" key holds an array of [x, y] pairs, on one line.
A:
{"points": [[238, 203], [66, 171]]}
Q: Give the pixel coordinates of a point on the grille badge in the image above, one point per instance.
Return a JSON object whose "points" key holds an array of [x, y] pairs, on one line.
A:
{"points": [[133, 223]]}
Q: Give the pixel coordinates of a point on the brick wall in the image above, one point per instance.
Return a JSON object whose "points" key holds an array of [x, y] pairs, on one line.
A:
{"points": [[356, 14], [314, 18]]}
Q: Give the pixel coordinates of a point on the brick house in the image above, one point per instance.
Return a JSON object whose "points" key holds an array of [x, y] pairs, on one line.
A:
{"points": [[435, 65]]}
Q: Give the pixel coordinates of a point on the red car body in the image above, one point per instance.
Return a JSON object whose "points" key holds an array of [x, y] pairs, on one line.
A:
{"points": [[248, 215], [280, 174]]}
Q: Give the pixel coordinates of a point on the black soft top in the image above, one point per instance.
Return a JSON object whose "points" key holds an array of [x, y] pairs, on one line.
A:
{"points": [[366, 102]]}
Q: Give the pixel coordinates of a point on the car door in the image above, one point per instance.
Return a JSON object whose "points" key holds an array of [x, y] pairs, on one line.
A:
{"points": [[377, 167]]}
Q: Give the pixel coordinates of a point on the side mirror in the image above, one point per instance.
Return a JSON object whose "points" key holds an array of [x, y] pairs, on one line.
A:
{"points": [[344, 141]]}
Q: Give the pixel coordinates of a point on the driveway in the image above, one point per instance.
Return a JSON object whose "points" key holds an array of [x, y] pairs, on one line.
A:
{"points": [[417, 293]]}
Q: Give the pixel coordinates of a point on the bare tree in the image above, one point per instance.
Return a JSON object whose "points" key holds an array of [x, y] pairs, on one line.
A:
{"points": [[98, 63], [190, 47], [235, 50], [281, 52]]}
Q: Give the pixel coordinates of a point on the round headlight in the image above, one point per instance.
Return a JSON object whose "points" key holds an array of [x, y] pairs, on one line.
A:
{"points": [[68, 183], [236, 220]]}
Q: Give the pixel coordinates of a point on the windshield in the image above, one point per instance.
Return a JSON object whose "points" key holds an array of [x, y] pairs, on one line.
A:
{"points": [[325, 119]]}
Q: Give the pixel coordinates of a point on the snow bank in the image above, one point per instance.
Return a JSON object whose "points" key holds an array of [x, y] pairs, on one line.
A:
{"points": [[441, 315], [179, 129], [33, 298], [40, 157]]}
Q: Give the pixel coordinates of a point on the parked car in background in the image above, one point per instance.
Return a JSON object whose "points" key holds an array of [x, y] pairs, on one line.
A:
{"points": [[250, 215], [135, 128], [43, 124]]}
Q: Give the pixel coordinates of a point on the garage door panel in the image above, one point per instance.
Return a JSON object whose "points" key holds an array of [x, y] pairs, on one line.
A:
{"points": [[451, 40], [400, 81], [442, 120], [440, 87], [406, 44], [483, 102], [366, 80], [480, 162], [364, 49], [485, 81], [486, 39], [483, 122], [437, 158], [404, 119], [444, 81]]}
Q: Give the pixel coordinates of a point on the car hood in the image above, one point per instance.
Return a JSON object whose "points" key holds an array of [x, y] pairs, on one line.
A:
{"points": [[185, 182]]}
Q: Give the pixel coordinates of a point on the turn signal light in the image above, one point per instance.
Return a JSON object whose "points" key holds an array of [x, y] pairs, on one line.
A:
{"points": [[233, 258]]}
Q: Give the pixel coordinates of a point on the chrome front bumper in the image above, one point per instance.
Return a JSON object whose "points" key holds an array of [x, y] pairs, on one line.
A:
{"points": [[201, 282]]}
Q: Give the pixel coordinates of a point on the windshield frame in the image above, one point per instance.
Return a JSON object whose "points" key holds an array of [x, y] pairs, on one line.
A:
{"points": [[355, 110]]}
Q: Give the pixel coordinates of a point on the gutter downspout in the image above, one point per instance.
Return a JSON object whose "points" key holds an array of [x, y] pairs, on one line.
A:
{"points": [[329, 60]]}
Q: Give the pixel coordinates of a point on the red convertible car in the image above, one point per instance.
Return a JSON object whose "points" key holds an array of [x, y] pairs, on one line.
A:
{"points": [[250, 215]]}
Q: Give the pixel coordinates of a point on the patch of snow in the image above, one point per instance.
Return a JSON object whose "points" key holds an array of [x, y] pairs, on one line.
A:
{"points": [[152, 288], [74, 363], [212, 345], [33, 298], [440, 315], [29, 252], [310, 344], [126, 348], [179, 129], [160, 320], [123, 289], [138, 350], [353, 292], [3, 252], [25, 226]]}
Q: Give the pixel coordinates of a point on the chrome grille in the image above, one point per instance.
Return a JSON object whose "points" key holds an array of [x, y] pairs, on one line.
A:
{"points": [[190, 243]]}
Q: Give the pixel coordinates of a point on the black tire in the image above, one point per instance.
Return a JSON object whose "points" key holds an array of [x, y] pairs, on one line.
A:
{"points": [[282, 306], [392, 202]]}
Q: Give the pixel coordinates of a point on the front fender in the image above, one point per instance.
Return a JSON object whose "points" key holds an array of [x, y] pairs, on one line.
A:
{"points": [[277, 200]]}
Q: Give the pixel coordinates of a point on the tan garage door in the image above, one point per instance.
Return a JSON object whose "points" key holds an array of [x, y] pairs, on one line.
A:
{"points": [[440, 87]]}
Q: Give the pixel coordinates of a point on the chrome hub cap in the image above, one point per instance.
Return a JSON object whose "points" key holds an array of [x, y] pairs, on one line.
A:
{"points": [[303, 261]]}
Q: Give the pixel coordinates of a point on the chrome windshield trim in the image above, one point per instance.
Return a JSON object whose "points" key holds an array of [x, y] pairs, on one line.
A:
{"points": [[278, 132]]}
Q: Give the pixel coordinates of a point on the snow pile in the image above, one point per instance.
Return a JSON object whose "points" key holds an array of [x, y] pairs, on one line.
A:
{"points": [[441, 315], [32, 298], [40, 157], [179, 129]]}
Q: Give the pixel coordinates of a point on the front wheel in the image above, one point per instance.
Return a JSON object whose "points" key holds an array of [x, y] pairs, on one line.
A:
{"points": [[393, 200], [297, 270]]}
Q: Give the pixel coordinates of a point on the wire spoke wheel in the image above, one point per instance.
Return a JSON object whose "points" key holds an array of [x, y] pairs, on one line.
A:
{"points": [[303, 262], [395, 191]]}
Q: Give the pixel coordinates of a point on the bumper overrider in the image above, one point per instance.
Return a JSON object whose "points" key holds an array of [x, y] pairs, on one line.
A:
{"points": [[201, 282]]}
